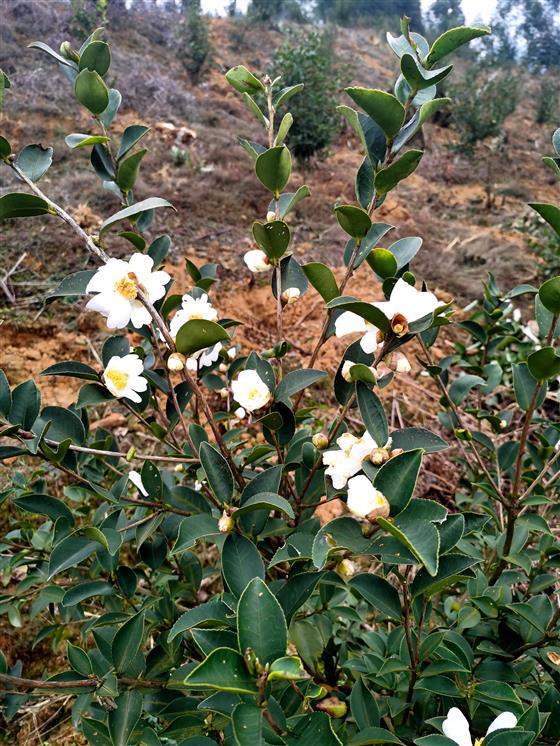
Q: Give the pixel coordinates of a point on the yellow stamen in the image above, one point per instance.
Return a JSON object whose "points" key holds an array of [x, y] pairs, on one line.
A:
{"points": [[117, 378], [127, 286], [254, 394], [479, 742]]}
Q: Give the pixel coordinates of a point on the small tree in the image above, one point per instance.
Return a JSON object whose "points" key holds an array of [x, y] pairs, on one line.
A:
{"points": [[310, 57], [195, 47]]}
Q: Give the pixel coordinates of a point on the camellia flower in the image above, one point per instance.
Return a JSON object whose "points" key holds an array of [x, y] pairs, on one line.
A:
{"points": [[204, 358], [364, 499], [405, 305], [344, 463], [456, 726], [250, 391], [136, 479], [192, 308], [123, 377], [117, 284], [257, 260]]}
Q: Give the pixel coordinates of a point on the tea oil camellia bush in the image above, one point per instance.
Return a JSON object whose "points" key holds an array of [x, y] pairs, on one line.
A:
{"points": [[190, 586]]}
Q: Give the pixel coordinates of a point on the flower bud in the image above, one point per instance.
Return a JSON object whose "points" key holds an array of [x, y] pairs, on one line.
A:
{"points": [[270, 216], [379, 456], [231, 353], [257, 260], [197, 486], [223, 393], [240, 413], [320, 440], [222, 367], [396, 452], [130, 454], [179, 468], [402, 365], [226, 523], [68, 52], [345, 372], [346, 568], [333, 706], [290, 295], [176, 362], [503, 424]]}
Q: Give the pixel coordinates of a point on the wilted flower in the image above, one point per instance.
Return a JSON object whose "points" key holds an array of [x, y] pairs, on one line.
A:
{"points": [[256, 260], [364, 499], [117, 284], [344, 463], [136, 479], [456, 726], [225, 523], [405, 305], [192, 308], [123, 377], [250, 391], [290, 295]]}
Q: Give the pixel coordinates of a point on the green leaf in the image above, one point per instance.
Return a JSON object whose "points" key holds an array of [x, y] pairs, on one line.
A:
{"points": [[273, 168], [72, 369], [134, 211], [548, 212], [285, 94], [425, 112], [198, 334], [417, 77], [383, 263], [78, 140], [5, 147], [79, 660], [497, 694], [549, 293], [127, 642], [83, 591], [74, 284], [451, 570], [366, 310], [26, 402], [322, 279], [64, 424], [341, 533], [436, 740], [524, 386], [374, 736], [410, 438], [34, 161], [388, 178], [385, 110], [247, 724], [124, 718], [451, 40], [127, 172], [284, 128], [510, 738], [212, 613], [353, 220], [45, 505], [544, 364], [69, 552], [22, 205], [460, 388], [273, 237], [372, 413], [194, 528], [297, 380], [224, 669], [363, 706], [289, 200], [420, 537], [378, 593], [115, 100], [132, 134], [265, 501], [91, 91], [218, 473], [261, 625], [55, 55], [243, 81], [241, 562], [287, 668], [97, 57], [312, 730]]}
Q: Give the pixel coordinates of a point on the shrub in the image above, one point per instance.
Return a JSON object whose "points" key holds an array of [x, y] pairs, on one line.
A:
{"points": [[310, 57], [197, 597], [195, 47], [547, 101]]}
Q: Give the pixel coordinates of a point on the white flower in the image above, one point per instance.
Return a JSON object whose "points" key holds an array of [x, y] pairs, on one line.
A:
{"points": [[192, 308], [346, 462], [117, 283], [363, 498], [123, 377], [404, 301], [345, 372], [204, 358], [136, 480], [256, 260], [250, 391], [350, 323], [456, 726], [291, 295], [240, 413]]}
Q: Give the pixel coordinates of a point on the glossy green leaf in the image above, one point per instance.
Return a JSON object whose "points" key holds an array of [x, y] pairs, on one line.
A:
{"points": [[261, 625], [5, 147], [322, 279], [91, 91], [115, 100], [284, 94], [544, 364], [26, 402], [363, 706], [126, 643], [388, 178], [419, 537], [64, 424], [218, 473], [524, 385], [69, 552], [74, 284], [78, 140], [417, 77], [373, 735], [386, 110], [34, 161], [452, 39], [55, 55], [192, 529], [133, 211], [297, 380], [127, 172], [97, 57], [84, 591], [241, 562], [549, 293], [132, 134], [549, 213], [410, 438], [22, 205], [273, 168], [243, 81], [124, 718], [198, 334], [247, 723], [265, 501], [273, 237], [287, 668], [373, 414], [378, 593], [44, 505], [224, 669], [212, 613], [353, 220], [72, 369]]}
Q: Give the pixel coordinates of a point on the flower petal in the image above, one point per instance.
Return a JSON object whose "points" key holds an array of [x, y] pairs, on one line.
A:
{"points": [[139, 315], [456, 727], [349, 323], [503, 721], [141, 265], [119, 314]]}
